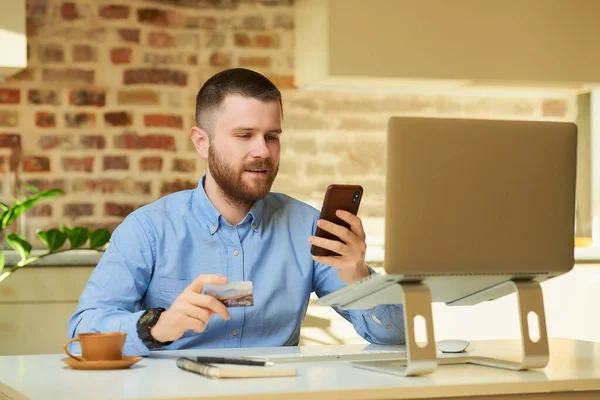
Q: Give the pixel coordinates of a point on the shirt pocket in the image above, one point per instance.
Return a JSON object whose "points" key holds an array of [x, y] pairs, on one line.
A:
{"points": [[166, 290]]}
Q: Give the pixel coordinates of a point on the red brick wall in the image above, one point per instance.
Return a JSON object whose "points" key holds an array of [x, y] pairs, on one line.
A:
{"points": [[104, 108]]}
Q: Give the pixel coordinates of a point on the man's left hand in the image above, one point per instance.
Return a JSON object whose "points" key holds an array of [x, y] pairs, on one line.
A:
{"points": [[350, 263]]}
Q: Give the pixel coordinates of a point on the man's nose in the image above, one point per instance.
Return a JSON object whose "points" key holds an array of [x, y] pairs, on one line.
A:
{"points": [[260, 149]]}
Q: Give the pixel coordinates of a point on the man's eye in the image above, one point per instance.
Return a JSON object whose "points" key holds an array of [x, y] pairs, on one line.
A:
{"points": [[272, 138], [244, 136]]}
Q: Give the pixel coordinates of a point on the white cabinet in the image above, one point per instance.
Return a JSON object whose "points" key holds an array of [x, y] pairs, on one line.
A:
{"points": [[443, 44], [13, 37]]}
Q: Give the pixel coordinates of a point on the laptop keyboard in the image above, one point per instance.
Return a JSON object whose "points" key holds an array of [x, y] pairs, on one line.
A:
{"points": [[363, 355]]}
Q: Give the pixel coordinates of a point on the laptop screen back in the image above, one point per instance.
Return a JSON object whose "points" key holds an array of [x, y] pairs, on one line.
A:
{"points": [[479, 197]]}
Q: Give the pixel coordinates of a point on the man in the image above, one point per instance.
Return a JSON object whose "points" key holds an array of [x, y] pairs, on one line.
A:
{"points": [[230, 228]]}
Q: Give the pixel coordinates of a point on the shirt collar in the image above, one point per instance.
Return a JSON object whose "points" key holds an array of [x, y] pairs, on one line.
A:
{"points": [[212, 216], [256, 213]]}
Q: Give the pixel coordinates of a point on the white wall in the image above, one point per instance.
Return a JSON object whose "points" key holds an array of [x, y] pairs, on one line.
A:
{"points": [[570, 302]]}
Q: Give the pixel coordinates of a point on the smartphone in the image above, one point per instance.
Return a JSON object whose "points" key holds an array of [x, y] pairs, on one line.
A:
{"points": [[337, 197]]}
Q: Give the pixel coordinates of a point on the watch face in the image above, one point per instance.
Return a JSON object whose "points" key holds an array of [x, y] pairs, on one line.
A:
{"points": [[149, 317]]}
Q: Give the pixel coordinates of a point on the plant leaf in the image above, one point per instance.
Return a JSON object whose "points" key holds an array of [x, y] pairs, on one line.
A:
{"points": [[19, 244], [53, 238], [48, 194], [43, 235], [77, 236], [2, 218], [1, 262], [20, 207], [32, 188], [39, 196], [99, 238], [8, 216], [3, 206]]}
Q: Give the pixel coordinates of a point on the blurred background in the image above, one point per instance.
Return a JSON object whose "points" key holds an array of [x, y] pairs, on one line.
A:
{"points": [[97, 98]]}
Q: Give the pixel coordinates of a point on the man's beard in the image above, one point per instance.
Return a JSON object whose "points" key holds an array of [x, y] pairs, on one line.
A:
{"points": [[232, 184]]}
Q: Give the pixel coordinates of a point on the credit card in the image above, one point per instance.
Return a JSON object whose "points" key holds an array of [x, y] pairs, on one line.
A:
{"points": [[232, 294]]}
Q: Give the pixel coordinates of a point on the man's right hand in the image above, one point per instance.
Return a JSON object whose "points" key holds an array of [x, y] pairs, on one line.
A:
{"points": [[191, 310]]}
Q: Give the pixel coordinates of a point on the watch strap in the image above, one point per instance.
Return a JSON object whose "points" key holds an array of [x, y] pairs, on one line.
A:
{"points": [[143, 329]]}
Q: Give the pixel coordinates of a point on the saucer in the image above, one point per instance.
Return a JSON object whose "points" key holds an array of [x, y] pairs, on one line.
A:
{"points": [[125, 362]]}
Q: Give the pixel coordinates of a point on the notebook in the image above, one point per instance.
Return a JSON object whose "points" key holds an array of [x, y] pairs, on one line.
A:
{"points": [[218, 371]]}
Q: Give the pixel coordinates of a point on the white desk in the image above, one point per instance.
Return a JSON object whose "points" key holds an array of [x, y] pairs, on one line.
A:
{"points": [[573, 373]]}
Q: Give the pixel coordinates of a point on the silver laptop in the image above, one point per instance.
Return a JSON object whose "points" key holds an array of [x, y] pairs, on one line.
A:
{"points": [[471, 204]]}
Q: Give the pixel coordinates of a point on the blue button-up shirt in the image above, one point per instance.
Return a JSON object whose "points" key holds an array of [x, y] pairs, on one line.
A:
{"points": [[159, 249]]}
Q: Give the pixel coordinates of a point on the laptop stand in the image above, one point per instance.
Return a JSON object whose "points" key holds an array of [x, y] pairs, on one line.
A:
{"points": [[530, 301], [422, 359]]}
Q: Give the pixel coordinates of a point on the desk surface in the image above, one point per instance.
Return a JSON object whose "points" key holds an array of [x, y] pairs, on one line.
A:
{"points": [[574, 366]]}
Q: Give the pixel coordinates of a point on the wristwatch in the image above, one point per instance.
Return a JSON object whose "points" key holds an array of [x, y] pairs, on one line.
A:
{"points": [[147, 321]]}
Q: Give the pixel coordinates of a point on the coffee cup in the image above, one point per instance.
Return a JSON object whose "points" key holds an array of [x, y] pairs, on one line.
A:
{"points": [[98, 346]]}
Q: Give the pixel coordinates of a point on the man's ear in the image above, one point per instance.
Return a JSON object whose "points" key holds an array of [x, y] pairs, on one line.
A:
{"points": [[201, 141]]}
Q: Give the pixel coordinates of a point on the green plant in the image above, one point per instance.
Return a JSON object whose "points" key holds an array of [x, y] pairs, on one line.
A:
{"points": [[54, 239]]}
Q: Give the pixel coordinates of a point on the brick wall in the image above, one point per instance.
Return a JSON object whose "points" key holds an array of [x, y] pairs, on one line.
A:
{"points": [[105, 105]]}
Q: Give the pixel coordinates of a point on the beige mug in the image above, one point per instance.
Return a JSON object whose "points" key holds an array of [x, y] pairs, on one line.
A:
{"points": [[98, 346]]}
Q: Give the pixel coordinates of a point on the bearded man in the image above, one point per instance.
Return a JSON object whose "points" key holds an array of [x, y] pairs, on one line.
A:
{"points": [[231, 228]]}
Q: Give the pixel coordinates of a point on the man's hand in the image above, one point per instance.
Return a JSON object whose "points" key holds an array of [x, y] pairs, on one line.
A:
{"points": [[351, 260], [191, 310]]}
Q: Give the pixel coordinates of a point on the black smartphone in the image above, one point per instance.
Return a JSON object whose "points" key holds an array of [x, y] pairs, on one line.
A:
{"points": [[337, 197]]}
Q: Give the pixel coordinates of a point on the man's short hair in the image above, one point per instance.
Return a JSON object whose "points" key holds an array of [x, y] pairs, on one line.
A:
{"points": [[235, 81]]}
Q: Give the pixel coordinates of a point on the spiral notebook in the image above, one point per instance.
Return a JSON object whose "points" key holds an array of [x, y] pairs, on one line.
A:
{"points": [[218, 371]]}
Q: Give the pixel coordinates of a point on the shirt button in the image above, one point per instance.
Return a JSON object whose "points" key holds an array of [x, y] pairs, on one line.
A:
{"points": [[213, 229], [254, 226], [235, 253], [234, 332]]}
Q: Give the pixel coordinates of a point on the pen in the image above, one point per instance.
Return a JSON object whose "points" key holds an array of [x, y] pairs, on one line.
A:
{"points": [[236, 361]]}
